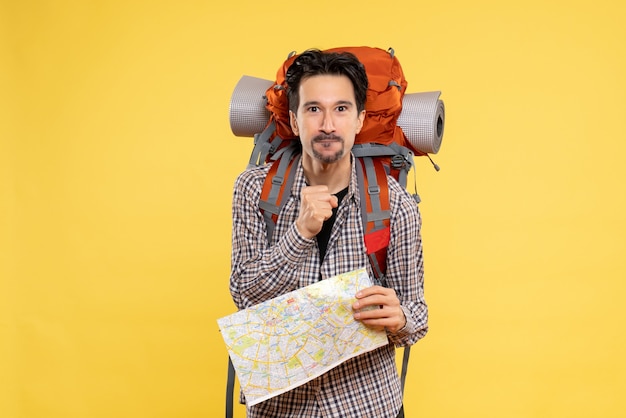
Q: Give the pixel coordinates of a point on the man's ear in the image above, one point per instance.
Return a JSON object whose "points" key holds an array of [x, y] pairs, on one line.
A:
{"points": [[293, 122], [361, 119]]}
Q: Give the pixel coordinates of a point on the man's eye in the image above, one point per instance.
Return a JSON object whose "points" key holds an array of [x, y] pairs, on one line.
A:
{"points": [[341, 108], [313, 109]]}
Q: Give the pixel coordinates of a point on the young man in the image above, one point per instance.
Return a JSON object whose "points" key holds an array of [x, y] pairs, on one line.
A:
{"points": [[319, 234]]}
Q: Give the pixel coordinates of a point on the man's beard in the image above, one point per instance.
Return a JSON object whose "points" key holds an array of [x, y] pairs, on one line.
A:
{"points": [[328, 159]]}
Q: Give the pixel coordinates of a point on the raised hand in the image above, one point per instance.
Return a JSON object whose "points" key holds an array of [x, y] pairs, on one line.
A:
{"points": [[316, 206]]}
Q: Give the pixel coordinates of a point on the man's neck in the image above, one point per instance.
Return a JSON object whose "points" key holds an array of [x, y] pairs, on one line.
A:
{"points": [[336, 175]]}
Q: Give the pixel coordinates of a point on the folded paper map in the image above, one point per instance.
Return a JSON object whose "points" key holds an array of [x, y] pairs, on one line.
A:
{"points": [[287, 341]]}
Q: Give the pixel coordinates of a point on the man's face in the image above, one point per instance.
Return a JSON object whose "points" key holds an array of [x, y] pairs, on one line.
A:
{"points": [[327, 119]]}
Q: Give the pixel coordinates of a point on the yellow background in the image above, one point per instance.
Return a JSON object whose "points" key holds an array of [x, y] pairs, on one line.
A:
{"points": [[116, 169]]}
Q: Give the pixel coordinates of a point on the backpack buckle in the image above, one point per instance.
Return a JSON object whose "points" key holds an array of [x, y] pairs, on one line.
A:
{"points": [[373, 190], [398, 162]]}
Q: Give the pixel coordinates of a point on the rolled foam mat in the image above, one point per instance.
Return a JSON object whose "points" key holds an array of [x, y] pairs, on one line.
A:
{"points": [[422, 118]]}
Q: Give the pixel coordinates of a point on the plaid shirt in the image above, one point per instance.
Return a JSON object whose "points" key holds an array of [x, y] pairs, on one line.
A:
{"points": [[364, 386]]}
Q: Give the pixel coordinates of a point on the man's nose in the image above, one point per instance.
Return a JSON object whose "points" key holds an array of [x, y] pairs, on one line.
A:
{"points": [[328, 124]]}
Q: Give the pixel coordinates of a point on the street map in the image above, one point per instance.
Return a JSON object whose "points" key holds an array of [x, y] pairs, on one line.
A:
{"points": [[287, 341]]}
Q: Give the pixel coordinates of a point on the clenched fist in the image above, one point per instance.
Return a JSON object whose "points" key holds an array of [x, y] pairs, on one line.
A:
{"points": [[316, 206]]}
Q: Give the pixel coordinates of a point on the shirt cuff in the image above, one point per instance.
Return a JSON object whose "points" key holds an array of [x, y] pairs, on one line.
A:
{"points": [[293, 246], [408, 328]]}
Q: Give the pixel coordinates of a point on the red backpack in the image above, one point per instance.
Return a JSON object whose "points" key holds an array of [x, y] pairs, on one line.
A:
{"points": [[381, 148], [397, 126]]}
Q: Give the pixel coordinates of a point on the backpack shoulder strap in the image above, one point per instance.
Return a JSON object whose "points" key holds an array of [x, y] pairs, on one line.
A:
{"points": [[374, 191], [277, 186], [400, 158], [375, 213]]}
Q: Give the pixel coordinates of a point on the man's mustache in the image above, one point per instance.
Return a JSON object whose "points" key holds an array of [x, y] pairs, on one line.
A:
{"points": [[322, 137]]}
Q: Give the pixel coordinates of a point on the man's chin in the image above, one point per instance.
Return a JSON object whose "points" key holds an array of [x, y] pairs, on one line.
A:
{"points": [[328, 156]]}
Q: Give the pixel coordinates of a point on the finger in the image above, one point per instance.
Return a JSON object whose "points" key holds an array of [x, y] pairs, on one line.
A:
{"points": [[315, 192], [389, 318], [377, 299], [369, 301], [376, 323], [374, 290], [316, 189]]}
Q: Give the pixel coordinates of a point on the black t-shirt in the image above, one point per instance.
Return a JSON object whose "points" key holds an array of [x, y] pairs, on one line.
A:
{"points": [[324, 235]]}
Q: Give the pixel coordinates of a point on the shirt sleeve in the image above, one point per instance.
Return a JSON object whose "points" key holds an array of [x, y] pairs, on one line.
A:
{"points": [[405, 267], [259, 271]]}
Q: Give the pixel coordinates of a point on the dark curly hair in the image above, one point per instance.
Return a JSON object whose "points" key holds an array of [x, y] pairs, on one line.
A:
{"points": [[314, 62]]}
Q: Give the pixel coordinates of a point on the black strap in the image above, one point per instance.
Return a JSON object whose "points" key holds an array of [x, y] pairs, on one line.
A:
{"points": [[230, 389], [401, 412], [405, 366]]}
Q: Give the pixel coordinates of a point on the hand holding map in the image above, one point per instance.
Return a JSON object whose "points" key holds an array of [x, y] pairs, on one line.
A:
{"points": [[287, 341]]}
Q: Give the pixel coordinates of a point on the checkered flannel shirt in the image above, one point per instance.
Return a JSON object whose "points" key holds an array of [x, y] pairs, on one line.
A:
{"points": [[367, 385]]}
